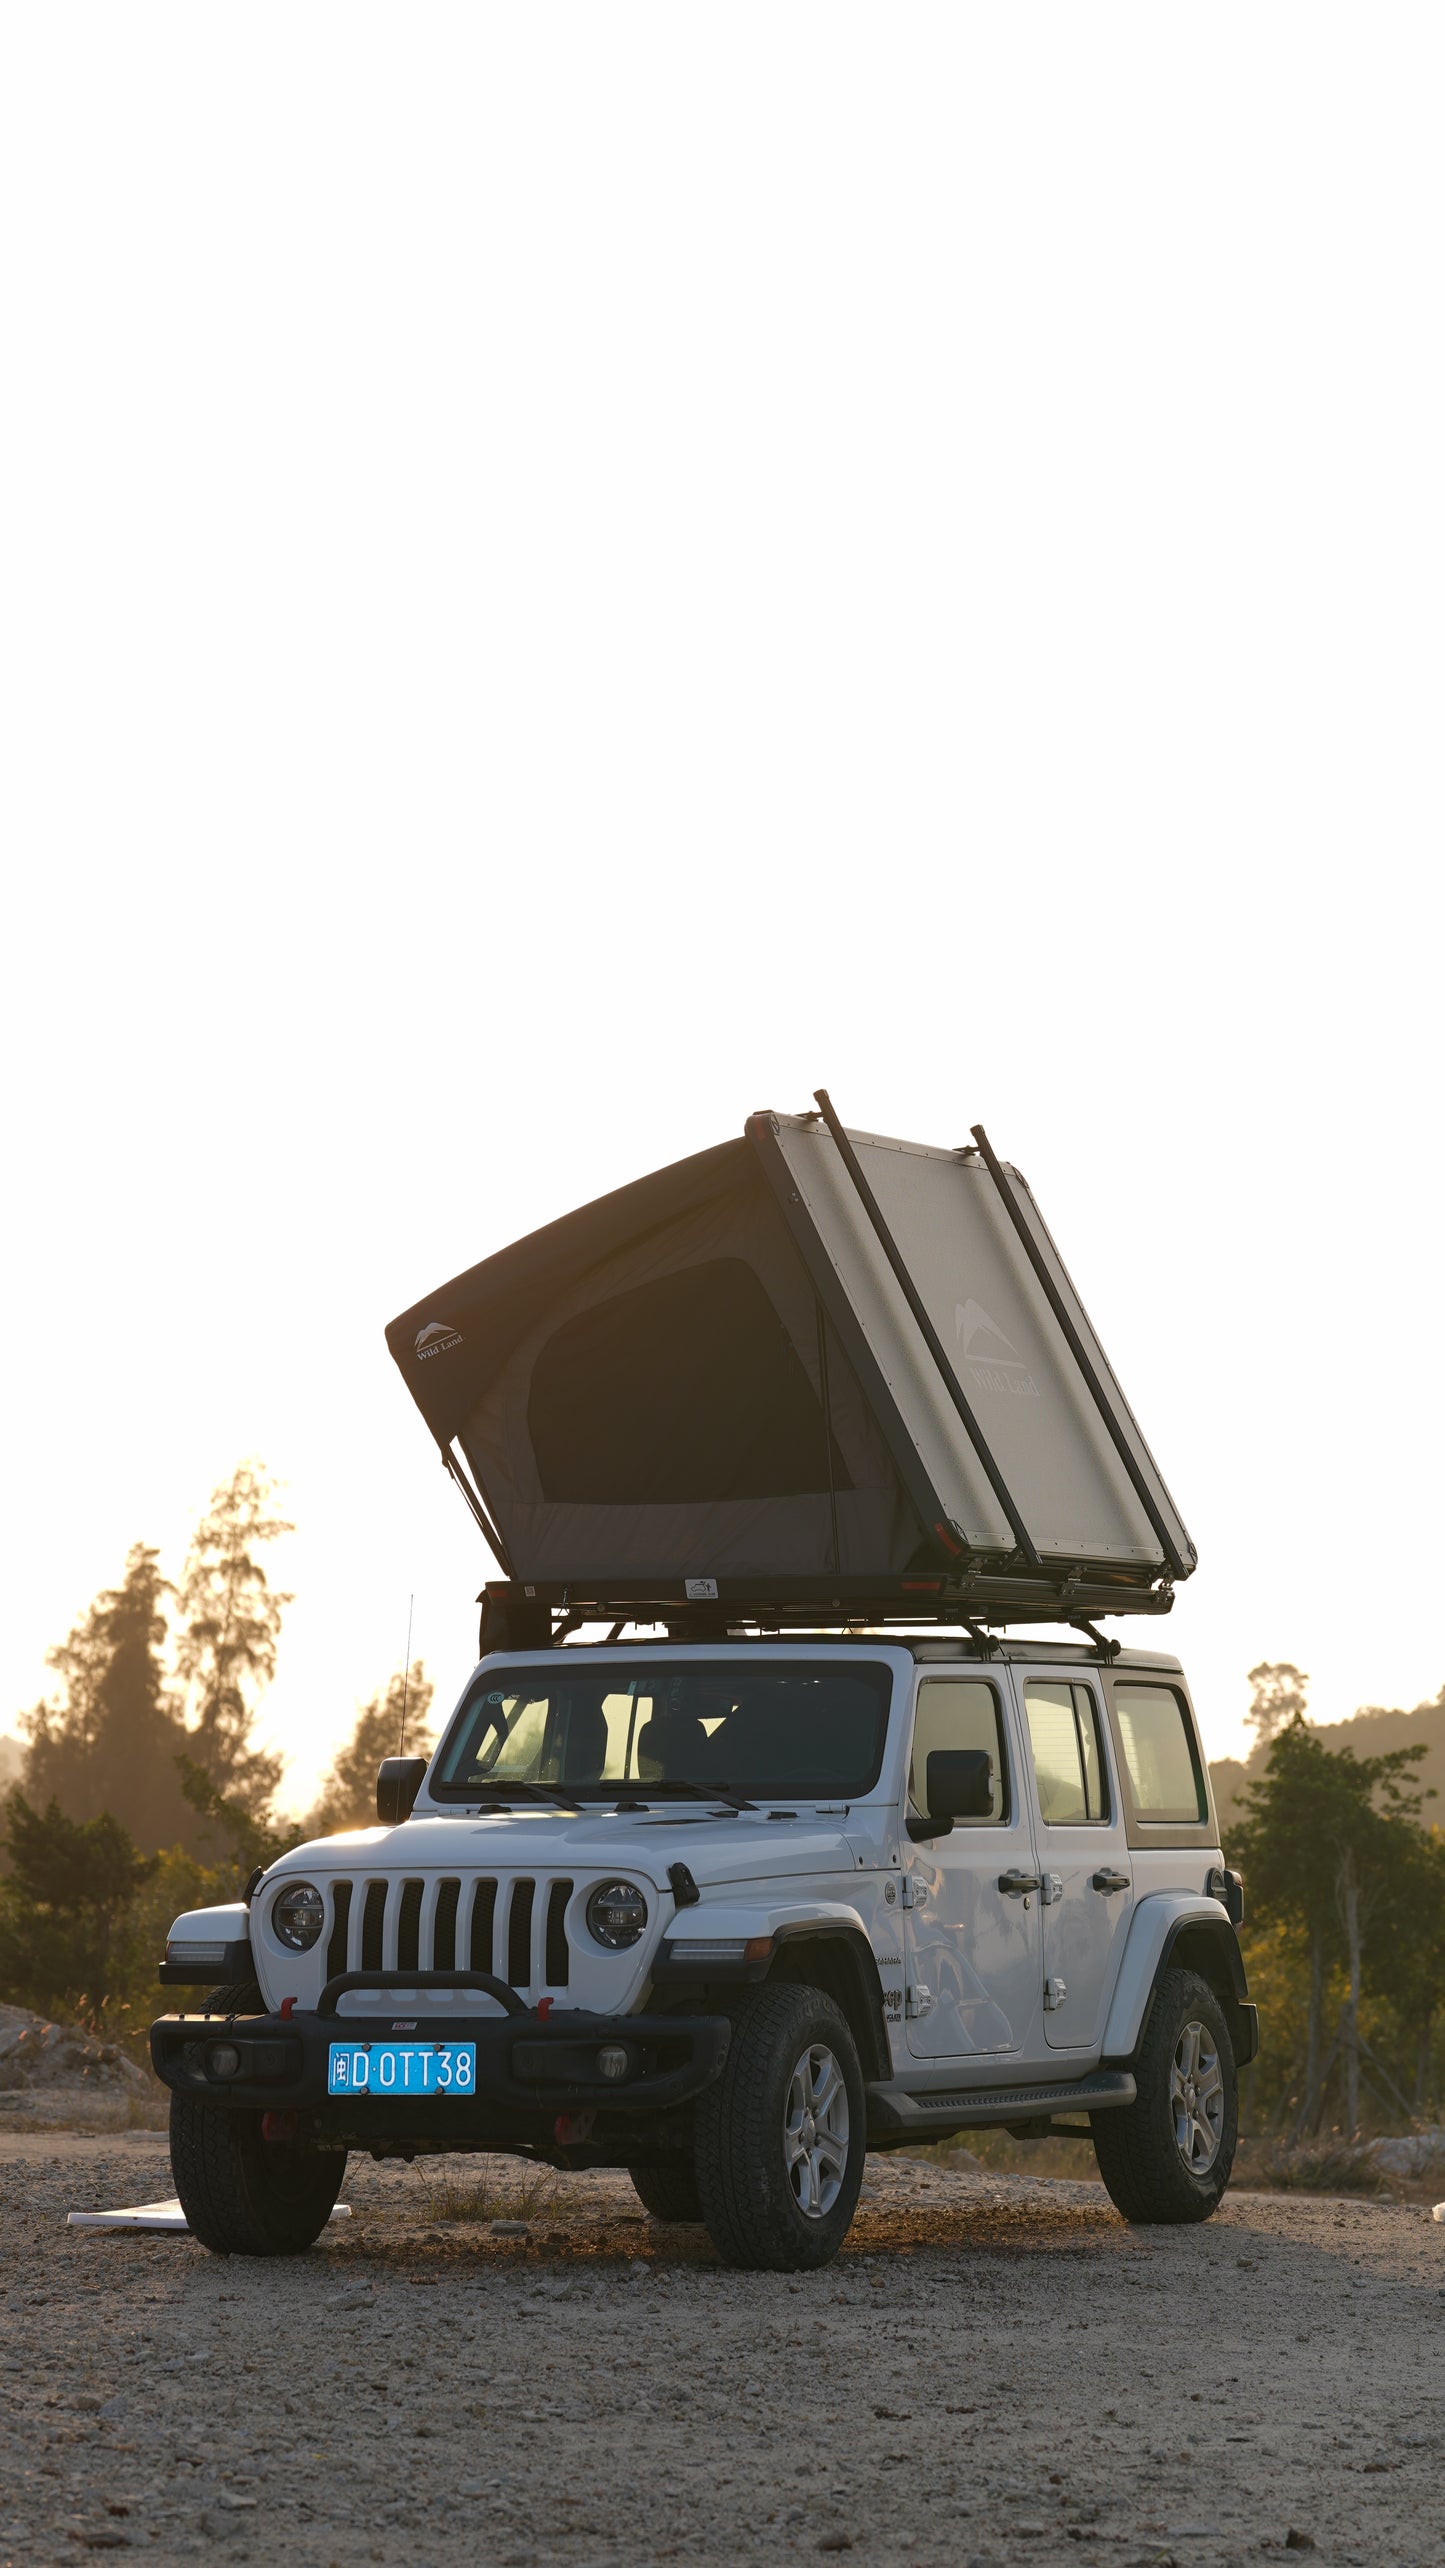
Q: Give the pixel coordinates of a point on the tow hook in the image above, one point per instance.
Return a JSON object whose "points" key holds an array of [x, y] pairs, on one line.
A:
{"points": [[278, 2126], [571, 2129]]}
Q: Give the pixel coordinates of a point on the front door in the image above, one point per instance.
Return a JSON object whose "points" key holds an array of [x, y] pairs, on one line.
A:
{"points": [[1085, 1872], [973, 1934]]}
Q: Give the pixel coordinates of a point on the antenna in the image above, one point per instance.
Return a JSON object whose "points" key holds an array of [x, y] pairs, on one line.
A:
{"points": [[406, 1676]]}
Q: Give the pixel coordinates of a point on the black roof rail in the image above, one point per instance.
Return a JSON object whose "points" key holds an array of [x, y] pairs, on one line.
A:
{"points": [[928, 1332], [1080, 1353]]}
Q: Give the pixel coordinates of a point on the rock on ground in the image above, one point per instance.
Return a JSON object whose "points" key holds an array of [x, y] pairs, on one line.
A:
{"points": [[995, 2370], [53, 2073]]}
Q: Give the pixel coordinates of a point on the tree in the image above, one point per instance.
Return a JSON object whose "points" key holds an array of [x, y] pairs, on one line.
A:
{"points": [[1323, 1842], [66, 1903], [348, 1796], [1405, 1965], [229, 1622], [111, 1743], [1278, 1693]]}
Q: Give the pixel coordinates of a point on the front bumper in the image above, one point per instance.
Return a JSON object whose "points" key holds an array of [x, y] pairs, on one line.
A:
{"points": [[532, 2070]]}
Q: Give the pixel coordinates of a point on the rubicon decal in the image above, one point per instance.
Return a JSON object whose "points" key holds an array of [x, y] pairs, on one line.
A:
{"points": [[436, 1338]]}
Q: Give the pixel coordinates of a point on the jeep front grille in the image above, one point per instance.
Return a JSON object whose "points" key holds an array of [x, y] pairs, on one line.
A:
{"points": [[516, 1928]]}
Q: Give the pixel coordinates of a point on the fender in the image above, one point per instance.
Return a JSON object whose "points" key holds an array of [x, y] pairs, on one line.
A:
{"points": [[1163, 1921], [715, 1944], [207, 1945]]}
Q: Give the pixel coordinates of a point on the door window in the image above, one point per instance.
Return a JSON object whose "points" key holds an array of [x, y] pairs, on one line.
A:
{"points": [[1163, 1771], [959, 1712], [1068, 1755]]}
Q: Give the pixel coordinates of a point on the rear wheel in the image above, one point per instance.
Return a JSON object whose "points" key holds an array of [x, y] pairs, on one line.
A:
{"points": [[669, 2193], [781, 2135], [1167, 2156], [244, 2195]]}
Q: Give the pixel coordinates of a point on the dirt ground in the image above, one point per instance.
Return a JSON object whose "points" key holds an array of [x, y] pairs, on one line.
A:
{"points": [[996, 2369]]}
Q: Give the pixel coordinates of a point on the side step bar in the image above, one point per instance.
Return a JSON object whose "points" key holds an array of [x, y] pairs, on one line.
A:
{"points": [[939, 2110]]}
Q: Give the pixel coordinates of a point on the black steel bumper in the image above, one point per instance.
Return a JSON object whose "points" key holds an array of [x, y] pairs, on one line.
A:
{"points": [[532, 2068]]}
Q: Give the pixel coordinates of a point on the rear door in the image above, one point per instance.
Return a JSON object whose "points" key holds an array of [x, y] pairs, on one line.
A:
{"points": [[971, 1912], [1085, 1870]]}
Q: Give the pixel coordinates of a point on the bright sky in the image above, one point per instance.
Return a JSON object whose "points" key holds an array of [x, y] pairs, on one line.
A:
{"points": [[570, 573]]}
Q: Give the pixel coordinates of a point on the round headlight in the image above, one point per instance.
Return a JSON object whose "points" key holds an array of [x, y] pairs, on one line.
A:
{"points": [[617, 1914], [298, 1915]]}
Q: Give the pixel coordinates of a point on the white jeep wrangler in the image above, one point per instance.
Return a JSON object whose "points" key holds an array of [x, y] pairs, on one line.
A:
{"points": [[727, 1914]]}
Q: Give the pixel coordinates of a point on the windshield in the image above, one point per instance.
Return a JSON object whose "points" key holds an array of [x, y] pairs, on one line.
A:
{"points": [[780, 1729]]}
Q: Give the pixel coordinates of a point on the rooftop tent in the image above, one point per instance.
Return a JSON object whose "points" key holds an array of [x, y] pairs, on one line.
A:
{"points": [[801, 1356]]}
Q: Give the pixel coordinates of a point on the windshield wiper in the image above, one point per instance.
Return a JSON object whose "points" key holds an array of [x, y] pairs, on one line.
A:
{"points": [[547, 1792], [696, 1792]]}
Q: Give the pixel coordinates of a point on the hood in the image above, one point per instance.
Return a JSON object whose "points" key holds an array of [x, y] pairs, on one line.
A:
{"points": [[716, 1851]]}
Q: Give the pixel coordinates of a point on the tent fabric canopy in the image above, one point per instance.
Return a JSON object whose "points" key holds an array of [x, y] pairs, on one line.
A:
{"points": [[650, 1387]]}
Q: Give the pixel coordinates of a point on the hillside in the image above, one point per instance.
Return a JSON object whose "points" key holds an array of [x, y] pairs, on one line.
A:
{"points": [[1373, 1732]]}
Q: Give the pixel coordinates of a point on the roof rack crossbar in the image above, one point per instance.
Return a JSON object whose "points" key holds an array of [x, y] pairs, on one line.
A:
{"points": [[1080, 1354], [929, 1333]]}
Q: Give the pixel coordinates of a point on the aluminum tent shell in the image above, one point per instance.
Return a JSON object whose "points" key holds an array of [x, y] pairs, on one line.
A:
{"points": [[715, 1373], [1056, 1450]]}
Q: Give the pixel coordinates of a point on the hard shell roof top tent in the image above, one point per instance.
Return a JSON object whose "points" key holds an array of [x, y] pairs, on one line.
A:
{"points": [[808, 1378]]}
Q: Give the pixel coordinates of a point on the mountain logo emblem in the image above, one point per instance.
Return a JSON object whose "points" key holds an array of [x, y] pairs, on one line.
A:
{"points": [[981, 1339], [435, 1338]]}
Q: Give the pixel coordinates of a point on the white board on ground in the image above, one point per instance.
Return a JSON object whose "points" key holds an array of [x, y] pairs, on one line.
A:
{"points": [[166, 2218]]}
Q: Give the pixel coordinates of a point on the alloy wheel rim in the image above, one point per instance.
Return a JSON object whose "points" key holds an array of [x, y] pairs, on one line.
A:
{"points": [[1196, 2098], [815, 2131]]}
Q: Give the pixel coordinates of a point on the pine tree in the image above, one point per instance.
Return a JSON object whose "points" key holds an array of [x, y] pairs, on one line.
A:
{"points": [[112, 1742], [229, 1622], [348, 1796]]}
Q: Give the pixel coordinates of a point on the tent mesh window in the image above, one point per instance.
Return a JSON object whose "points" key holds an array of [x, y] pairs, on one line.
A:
{"points": [[680, 1391]]}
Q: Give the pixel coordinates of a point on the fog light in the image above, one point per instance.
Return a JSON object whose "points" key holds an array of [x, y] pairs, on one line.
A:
{"points": [[223, 2060], [612, 2061]]}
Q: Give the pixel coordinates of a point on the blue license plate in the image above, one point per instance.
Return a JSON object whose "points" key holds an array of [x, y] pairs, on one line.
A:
{"points": [[402, 2068]]}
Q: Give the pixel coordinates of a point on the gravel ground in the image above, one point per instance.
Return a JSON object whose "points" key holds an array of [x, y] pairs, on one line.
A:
{"points": [[996, 2369]]}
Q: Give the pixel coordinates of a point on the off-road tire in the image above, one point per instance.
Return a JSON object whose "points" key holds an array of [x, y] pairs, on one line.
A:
{"points": [[243, 1998], [743, 2180], [669, 2193], [245, 2196], [1139, 2157]]}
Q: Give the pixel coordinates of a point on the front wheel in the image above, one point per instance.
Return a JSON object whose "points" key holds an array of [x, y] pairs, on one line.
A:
{"points": [[781, 2134], [1167, 2156], [244, 2195]]}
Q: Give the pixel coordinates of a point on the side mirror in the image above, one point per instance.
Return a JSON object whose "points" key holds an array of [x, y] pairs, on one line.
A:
{"points": [[398, 1781], [960, 1786]]}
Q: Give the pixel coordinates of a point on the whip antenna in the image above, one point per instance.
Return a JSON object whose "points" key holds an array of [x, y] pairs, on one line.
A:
{"points": [[406, 1676]]}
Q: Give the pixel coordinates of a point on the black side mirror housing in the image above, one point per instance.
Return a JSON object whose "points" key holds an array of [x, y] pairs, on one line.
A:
{"points": [[960, 1786], [398, 1781]]}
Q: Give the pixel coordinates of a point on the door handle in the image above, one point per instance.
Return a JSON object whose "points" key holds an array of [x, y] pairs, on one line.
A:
{"points": [[1110, 1881], [1015, 1884]]}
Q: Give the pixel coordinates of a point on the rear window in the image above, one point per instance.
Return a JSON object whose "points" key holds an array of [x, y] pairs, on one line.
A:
{"points": [[763, 1729], [1068, 1758], [1165, 1782]]}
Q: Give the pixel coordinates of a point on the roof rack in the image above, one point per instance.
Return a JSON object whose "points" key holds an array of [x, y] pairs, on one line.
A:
{"points": [[540, 1615]]}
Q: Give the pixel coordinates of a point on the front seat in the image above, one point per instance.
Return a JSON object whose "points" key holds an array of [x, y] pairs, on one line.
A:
{"points": [[672, 1745]]}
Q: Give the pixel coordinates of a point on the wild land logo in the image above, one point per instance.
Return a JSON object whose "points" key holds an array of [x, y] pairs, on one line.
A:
{"points": [[993, 1360], [435, 1339]]}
